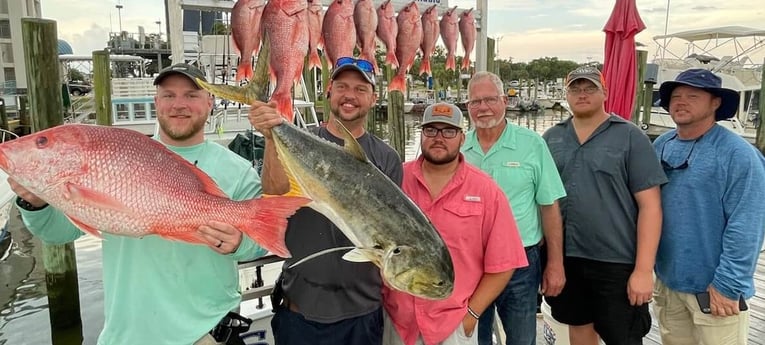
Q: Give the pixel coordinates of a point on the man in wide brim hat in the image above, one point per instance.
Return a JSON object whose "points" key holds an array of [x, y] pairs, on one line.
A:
{"points": [[707, 81]]}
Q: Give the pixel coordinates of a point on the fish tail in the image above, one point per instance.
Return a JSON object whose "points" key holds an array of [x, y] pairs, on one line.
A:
{"points": [[390, 58], [451, 65], [268, 222], [284, 105], [244, 71], [425, 66], [466, 63], [398, 83], [230, 92], [314, 60]]}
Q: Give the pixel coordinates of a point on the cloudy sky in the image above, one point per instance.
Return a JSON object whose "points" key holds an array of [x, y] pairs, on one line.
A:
{"points": [[526, 29]]}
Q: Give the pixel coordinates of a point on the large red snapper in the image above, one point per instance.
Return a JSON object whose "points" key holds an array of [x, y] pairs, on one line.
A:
{"points": [[467, 36], [122, 182], [339, 31], [387, 30], [365, 19], [430, 32], [450, 34], [245, 32], [315, 19], [407, 43], [285, 25]]}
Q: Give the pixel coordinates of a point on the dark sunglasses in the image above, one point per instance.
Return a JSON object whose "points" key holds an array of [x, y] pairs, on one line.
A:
{"points": [[684, 165], [365, 65]]}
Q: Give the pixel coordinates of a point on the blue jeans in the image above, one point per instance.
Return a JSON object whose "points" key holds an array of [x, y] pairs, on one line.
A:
{"points": [[291, 328], [516, 305]]}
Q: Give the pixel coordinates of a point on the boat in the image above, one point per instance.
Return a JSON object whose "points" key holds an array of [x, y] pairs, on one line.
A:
{"points": [[738, 72]]}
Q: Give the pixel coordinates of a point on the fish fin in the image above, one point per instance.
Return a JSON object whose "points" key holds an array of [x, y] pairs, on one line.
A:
{"points": [[229, 92], [466, 63], [186, 236], [90, 197], [390, 58], [314, 60], [398, 83], [450, 64], [85, 228], [363, 255], [351, 145], [284, 105], [267, 224], [293, 7], [425, 66], [244, 71]]}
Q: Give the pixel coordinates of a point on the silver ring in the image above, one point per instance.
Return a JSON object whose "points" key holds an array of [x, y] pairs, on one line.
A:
{"points": [[219, 243]]}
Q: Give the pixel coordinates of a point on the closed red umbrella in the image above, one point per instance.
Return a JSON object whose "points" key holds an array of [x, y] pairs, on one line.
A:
{"points": [[619, 68]]}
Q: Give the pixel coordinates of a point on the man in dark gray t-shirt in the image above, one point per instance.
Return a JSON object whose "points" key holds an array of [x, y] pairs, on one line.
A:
{"points": [[611, 217], [328, 300]]}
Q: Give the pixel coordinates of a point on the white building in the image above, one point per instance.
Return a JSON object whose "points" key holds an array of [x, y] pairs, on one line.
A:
{"points": [[11, 49]]}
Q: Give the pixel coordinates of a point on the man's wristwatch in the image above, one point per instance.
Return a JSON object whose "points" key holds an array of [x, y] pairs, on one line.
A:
{"points": [[25, 205]]}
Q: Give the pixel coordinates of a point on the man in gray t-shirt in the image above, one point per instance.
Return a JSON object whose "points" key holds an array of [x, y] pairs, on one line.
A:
{"points": [[328, 300], [611, 217]]}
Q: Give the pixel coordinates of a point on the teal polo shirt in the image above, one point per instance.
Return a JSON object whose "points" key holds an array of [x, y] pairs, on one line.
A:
{"points": [[522, 166]]}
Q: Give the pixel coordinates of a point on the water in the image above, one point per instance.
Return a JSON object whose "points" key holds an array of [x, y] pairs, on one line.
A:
{"points": [[24, 318]]}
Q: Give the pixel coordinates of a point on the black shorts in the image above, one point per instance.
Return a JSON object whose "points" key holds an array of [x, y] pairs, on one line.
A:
{"points": [[596, 292]]}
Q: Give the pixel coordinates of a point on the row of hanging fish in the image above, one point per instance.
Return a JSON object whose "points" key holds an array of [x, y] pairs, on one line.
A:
{"points": [[303, 26]]}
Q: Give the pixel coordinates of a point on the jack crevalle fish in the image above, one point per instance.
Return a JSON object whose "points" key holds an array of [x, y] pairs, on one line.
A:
{"points": [[384, 225], [122, 182]]}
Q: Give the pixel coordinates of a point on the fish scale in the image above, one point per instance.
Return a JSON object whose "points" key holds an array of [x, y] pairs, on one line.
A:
{"points": [[119, 181]]}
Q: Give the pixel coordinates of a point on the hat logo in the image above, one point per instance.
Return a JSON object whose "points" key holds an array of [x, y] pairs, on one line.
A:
{"points": [[442, 110], [179, 68]]}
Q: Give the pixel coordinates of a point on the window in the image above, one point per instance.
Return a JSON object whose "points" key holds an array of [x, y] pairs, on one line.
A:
{"points": [[6, 50], [3, 6], [139, 111], [122, 112], [152, 110], [9, 73], [5, 28]]}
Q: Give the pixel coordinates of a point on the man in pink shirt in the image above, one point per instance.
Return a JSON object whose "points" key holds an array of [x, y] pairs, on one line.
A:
{"points": [[474, 218]]}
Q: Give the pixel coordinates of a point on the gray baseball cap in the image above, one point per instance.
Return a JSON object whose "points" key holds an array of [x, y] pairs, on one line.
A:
{"points": [[446, 113], [187, 70]]}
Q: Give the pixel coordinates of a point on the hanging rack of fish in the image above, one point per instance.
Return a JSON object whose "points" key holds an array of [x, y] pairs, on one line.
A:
{"points": [[329, 29]]}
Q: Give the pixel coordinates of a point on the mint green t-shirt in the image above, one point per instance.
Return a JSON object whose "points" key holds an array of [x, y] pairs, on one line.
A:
{"points": [[166, 292], [522, 166]]}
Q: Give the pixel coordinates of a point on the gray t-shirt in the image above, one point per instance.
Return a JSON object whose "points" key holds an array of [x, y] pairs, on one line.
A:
{"points": [[327, 288], [601, 177]]}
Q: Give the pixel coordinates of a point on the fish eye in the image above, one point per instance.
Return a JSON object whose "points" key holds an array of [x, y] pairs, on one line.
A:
{"points": [[440, 283], [42, 141], [396, 250]]}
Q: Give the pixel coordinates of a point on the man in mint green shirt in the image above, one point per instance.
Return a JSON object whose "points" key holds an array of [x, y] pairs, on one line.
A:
{"points": [[519, 161], [158, 291]]}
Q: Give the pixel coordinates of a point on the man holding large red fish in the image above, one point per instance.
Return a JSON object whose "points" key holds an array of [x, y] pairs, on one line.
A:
{"points": [[158, 291], [328, 300]]}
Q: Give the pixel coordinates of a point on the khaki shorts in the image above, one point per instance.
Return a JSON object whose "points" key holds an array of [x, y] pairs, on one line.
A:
{"points": [[681, 321]]}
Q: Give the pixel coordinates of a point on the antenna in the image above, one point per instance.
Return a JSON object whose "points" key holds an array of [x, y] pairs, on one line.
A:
{"points": [[666, 25]]}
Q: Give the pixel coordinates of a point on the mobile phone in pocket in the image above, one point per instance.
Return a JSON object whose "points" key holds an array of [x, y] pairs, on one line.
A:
{"points": [[703, 299]]}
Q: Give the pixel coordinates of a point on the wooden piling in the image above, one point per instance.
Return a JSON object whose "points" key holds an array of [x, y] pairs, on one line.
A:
{"points": [[25, 122], [642, 59], [46, 108], [3, 116], [647, 103], [102, 87], [760, 139], [396, 125], [325, 86]]}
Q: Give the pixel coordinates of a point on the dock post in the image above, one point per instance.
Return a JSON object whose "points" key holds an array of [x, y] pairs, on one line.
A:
{"points": [[760, 139], [325, 83], [647, 102], [3, 116], [396, 125], [102, 87], [642, 59], [46, 110]]}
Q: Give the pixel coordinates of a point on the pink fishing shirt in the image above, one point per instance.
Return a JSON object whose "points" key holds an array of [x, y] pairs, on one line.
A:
{"points": [[474, 218]]}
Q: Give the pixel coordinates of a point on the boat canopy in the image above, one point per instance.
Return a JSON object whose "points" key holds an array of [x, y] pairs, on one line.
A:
{"points": [[714, 33]]}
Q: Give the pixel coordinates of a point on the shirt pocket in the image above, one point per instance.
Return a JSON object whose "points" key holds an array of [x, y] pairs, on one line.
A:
{"points": [[608, 161], [464, 222], [514, 179]]}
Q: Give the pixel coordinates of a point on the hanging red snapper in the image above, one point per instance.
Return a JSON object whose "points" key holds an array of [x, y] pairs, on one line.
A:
{"points": [[245, 32], [122, 182]]}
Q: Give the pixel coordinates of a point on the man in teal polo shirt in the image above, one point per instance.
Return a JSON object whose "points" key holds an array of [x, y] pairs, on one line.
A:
{"points": [[518, 159]]}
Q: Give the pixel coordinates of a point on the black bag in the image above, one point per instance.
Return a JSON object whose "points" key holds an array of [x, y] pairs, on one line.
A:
{"points": [[251, 147]]}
